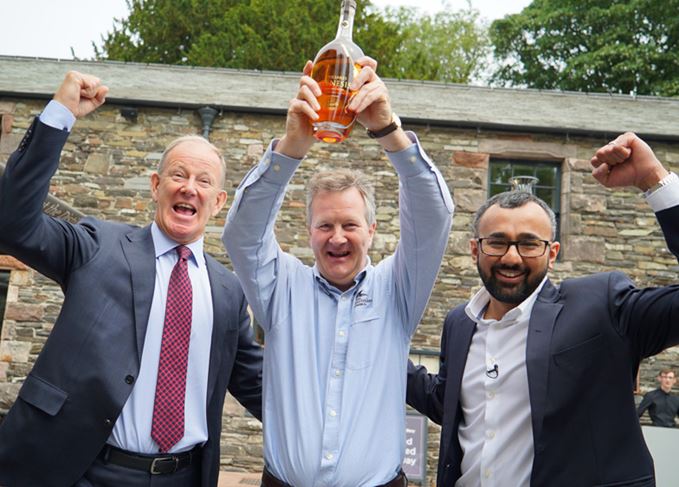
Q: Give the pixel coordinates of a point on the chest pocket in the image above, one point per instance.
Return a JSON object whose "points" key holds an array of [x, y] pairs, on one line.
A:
{"points": [[363, 342]]}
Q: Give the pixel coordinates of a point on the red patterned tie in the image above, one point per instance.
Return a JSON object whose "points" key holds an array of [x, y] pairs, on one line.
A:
{"points": [[168, 408]]}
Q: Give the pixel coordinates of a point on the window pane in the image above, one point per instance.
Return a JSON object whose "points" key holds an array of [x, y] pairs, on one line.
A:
{"points": [[500, 173], [545, 175], [546, 195], [524, 169], [548, 174]]}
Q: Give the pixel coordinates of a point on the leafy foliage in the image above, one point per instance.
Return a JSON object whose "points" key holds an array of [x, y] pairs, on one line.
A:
{"points": [[282, 34], [618, 46]]}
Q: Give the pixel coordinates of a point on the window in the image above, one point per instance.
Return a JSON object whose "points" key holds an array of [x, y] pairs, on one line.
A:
{"points": [[547, 188], [4, 283]]}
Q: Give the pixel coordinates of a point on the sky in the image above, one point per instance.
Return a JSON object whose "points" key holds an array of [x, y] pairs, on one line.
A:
{"points": [[65, 29]]}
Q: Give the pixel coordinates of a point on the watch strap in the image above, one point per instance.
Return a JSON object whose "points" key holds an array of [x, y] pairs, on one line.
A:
{"points": [[377, 134]]}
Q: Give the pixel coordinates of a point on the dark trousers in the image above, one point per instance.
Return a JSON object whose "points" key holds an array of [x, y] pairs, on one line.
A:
{"points": [[269, 480], [102, 474]]}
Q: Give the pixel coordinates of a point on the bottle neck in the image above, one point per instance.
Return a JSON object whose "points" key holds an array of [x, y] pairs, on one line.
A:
{"points": [[346, 23]]}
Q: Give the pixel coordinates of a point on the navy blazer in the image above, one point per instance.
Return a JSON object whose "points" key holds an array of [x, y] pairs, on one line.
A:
{"points": [[585, 341], [70, 400]]}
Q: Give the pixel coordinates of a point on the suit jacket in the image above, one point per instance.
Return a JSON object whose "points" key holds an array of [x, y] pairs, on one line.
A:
{"points": [[70, 400], [585, 341]]}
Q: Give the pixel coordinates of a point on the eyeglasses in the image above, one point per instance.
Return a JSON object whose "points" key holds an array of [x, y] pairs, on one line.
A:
{"points": [[497, 247]]}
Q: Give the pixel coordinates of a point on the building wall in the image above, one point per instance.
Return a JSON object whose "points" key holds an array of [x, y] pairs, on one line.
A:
{"points": [[105, 171]]}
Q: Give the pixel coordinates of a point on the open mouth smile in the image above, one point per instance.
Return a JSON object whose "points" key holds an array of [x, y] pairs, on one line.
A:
{"points": [[338, 255], [184, 209]]}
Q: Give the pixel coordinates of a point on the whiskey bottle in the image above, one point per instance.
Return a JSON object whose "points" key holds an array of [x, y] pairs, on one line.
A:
{"points": [[334, 69]]}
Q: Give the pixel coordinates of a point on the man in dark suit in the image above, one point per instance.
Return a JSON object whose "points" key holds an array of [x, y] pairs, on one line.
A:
{"points": [[91, 411], [535, 386]]}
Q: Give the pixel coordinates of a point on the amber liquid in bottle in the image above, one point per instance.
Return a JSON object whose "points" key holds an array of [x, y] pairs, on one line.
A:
{"points": [[334, 69]]}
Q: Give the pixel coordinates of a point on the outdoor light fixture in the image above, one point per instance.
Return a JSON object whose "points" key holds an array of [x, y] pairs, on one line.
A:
{"points": [[129, 114], [207, 115]]}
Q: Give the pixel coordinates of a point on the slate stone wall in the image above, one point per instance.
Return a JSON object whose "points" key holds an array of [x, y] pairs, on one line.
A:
{"points": [[105, 172]]}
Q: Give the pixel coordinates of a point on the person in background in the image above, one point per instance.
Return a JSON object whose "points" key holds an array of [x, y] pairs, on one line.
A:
{"points": [[661, 404]]}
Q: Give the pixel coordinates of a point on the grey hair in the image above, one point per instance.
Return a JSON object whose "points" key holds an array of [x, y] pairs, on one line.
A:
{"points": [[341, 180], [193, 138], [513, 199]]}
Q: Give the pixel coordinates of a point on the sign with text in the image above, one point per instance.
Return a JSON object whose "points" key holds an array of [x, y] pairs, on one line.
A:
{"points": [[415, 461]]}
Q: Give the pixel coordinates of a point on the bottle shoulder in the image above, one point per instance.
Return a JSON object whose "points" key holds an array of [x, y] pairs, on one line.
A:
{"points": [[341, 47]]}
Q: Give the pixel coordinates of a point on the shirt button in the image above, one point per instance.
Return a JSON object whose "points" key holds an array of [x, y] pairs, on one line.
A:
{"points": [[337, 373], [329, 456], [490, 435], [276, 167], [108, 422], [333, 413], [344, 297], [413, 159], [341, 333], [487, 473], [129, 379], [491, 394]]}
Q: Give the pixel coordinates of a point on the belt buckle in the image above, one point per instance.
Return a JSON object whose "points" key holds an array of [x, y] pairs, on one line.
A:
{"points": [[164, 465]]}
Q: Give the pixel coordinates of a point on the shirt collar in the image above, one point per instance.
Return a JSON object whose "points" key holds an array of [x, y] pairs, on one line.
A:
{"points": [[164, 244], [478, 304], [330, 288]]}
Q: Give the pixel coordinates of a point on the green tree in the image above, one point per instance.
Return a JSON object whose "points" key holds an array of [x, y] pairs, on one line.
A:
{"points": [[448, 46], [282, 34], [628, 46]]}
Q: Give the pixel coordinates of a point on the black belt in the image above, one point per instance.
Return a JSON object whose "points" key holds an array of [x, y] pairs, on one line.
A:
{"points": [[154, 464], [268, 480]]}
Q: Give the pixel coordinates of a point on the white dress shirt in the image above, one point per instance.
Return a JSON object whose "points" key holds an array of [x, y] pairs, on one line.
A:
{"points": [[496, 434]]}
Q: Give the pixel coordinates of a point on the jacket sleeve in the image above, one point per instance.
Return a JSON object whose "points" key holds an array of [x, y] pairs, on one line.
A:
{"points": [[246, 377], [649, 317], [50, 245], [426, 392]]}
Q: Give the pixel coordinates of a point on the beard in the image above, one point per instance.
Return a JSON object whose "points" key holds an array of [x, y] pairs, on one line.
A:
{"points": [[511, 294]]}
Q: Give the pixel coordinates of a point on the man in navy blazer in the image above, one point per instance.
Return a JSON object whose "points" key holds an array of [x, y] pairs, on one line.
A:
{"points": [[83, 414], [535, 381]]}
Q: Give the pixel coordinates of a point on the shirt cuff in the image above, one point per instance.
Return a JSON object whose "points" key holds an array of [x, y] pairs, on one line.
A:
{"points": [[57, 116], [412, 160], [666, 196]]}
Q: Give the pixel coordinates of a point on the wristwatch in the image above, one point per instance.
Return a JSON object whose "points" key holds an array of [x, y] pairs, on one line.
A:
{"points": [[663, 182], [395, 124]]}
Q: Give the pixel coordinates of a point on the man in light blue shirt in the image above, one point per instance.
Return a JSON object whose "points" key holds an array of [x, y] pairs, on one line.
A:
{"points": [[338, 333]]}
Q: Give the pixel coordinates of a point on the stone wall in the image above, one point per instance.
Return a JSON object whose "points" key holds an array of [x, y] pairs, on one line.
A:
{"points": [[105, 172]]}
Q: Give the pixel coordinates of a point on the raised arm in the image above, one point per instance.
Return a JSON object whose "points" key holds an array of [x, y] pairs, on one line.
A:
{"points": [[249, 231], [47, 244], [647, 316]]}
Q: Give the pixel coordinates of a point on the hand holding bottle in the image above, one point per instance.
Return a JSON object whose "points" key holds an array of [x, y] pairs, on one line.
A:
{"points": [[371, 99], [302, 110]]}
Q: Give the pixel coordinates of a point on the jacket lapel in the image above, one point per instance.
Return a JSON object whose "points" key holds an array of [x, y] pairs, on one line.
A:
{"points": [[220, 310], [459, 342], [540, 327], [140, 254]]}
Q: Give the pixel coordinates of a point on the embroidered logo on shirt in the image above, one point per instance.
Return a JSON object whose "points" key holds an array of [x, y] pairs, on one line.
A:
{"points": [[362, 299]]}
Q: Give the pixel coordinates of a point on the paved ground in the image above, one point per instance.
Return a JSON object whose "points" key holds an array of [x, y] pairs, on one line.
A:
{"points": [[238, 479]]}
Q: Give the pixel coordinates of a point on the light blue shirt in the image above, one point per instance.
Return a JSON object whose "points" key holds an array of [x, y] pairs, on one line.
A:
{"points": [[335, 362], [132, 430]]}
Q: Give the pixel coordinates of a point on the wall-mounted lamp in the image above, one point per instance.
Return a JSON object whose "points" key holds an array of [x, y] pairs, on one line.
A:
{"points": [[129, 114], [207, 115]]}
